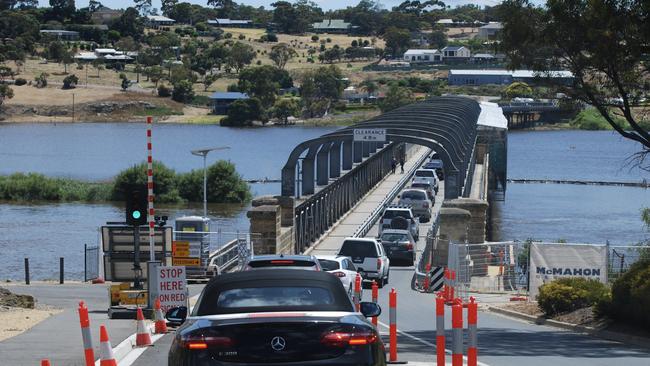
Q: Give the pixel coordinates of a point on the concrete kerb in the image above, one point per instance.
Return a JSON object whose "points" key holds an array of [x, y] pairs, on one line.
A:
{"points": [[594, 332], [126, 352], [350, 211]]}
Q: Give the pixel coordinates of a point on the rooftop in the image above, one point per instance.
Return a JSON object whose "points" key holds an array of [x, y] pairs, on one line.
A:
{"points": [[226, 21], [229, 95], [493, 25], [452, 48], [159, 18], [416, 51], [515, 74], [332, 24], [492, 116]]}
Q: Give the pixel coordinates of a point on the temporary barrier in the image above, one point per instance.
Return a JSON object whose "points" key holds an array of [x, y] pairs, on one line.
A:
{"points": [[45, 362], [446, 285], [472, 320], [357, 293], [84, 320], [440, 330], [142, 337], [105, 350], [161, 324], [375, 296], [457, 333]]}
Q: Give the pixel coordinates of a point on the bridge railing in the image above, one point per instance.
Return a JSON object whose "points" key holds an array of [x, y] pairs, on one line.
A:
{"points": [[365, 227], [320, 211]]}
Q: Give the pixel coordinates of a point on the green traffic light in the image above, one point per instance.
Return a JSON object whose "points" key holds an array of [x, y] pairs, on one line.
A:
{"points": [[136, 214]]}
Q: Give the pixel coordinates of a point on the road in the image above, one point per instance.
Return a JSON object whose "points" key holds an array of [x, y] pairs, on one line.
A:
{"points": [[502, 341]]}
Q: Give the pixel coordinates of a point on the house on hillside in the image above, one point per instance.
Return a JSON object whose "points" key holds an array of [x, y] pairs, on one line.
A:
{"points": [[489, 31], [61, 35], [231, 23], [422, 56], [505, 77], [220, 101], [333, 26], [456, 54], [157, 21], [446, 22], [104, 15]]}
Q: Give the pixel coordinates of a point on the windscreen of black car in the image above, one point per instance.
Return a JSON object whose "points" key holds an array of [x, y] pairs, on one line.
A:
{"points": [[394, 237], [423, 173], [329, 265], [358, 249], [285, 296]]}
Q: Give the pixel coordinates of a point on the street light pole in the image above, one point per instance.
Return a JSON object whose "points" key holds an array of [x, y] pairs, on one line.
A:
{"points": [[204, 154]]}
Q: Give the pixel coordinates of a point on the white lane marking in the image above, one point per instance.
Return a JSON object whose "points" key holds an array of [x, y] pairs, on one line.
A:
{"points": [[426, 343]]}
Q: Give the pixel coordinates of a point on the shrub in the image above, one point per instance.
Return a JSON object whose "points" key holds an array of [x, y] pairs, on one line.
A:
{"points": [[20, 82], [241, 37], [225, 185], [164, 91], [570, 294], [183, 91], [314, 38], [631, 296], [164, 180], [227, 35], [70, 82]]}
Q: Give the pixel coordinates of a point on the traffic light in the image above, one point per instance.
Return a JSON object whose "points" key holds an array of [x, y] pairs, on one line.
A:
{"points": [[136, 205]]}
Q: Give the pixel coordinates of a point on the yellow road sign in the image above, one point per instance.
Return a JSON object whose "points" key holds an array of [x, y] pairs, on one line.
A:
{"points": [[186, 261]]}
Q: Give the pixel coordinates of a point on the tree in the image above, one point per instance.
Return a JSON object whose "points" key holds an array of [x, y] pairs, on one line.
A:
{"points": [[397, 96], [241, 55], [294, 19], [70, 82], [183, 91], [62, 8], [369, 87], [94, 5], [154, 73], [66, 60], [285, 108], [6, 72], [224, 6], [243, 113], [164, 179], [397, 40], [125, 82], [224, 184], [320, 88], [518, 89], [438, 38], [261, 82], [167, 6], [41, 80], [55, 51], [604, 43], [281, 53], [143, 6], [5, 93], [209, 80], [129, 24], [98, 64]]}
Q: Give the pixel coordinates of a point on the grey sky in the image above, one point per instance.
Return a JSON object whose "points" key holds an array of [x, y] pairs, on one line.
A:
{"points": [[325, 4]]}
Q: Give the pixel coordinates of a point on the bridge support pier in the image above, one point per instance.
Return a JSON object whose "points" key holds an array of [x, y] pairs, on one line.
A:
{"points": [[335, 160], [357, 152], [347, 155], [272, 226], [322, 168]]}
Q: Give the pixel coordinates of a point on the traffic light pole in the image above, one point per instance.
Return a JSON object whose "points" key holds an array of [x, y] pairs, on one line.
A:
{"points": [[136, 258]]}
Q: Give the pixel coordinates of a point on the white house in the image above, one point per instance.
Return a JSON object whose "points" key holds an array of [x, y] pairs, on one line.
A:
{"points": [[451, 53], [422, 56], [103, 52], [490, 30], [155, 21]]}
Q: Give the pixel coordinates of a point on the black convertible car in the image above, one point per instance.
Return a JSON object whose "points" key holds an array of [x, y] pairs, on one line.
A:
{"points": [[276, 317]]}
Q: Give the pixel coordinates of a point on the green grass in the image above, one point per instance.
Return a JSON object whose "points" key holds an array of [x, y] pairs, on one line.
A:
{"points": [[210, 119], [592, 120], [37, 187], [159, 112]]}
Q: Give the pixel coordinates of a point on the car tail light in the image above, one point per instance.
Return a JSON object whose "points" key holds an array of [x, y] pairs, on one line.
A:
{"points": [[200, 342], [354, 338], [409, 246], [378, 264], [282, 261], [339, 274]]}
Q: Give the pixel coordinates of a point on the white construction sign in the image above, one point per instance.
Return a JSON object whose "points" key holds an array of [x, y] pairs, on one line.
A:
{"points": [[172, 287], [370, 134], [552, 261]]}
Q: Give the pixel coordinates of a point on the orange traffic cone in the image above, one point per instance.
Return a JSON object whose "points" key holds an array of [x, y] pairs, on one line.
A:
{"points": [[105, 349], [142, 338], [45, 362], [161, 324]]}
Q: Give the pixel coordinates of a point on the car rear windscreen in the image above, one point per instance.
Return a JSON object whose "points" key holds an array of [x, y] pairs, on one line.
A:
{"points": [[421, 185], [423, 173], [329, 265], [389, 214], [394, 237], [414, 195], [280, 263], [357, 249], [289, 296]]}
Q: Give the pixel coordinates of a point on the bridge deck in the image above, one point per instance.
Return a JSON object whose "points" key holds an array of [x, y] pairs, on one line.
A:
{"points": [[331, 241]]}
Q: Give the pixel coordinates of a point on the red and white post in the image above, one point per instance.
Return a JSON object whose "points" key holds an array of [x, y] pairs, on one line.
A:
{"points": [[392, 313], [426, 277], [440, 330], [457, 333], [357, 293], [472, 329], [375, 299], [150, 197], [446, 285], [84, 320]]}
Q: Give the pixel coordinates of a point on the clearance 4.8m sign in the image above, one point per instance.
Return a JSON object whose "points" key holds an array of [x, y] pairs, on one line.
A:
{"points": [[552, 261]]}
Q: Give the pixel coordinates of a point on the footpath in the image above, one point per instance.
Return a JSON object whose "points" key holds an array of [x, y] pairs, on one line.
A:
{"points": [[58, 338]]}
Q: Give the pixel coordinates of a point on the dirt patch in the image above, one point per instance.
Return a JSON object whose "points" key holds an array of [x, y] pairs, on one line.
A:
{"points": [[528, 308], [9, 299]]}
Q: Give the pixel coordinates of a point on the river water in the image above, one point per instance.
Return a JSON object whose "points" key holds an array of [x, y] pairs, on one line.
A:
{"points": [[45, 232]]}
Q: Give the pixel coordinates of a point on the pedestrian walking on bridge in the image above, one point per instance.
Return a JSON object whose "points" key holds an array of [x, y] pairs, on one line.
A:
{"points": [[393, 164], [401, 164]]}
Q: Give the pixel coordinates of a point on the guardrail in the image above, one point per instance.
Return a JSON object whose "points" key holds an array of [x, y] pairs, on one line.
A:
{"points": [[365, 227], [227, 257]]}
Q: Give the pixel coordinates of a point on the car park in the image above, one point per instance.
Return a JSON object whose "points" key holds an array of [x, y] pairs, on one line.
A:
{"points": [[342, 267], [306, 262], [368, 257], [400, 217], [275, 317], [419, 202], [399, 246]]}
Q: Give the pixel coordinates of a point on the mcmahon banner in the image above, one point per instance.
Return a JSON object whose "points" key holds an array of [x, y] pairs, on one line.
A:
{"points": [[552, 261]]}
